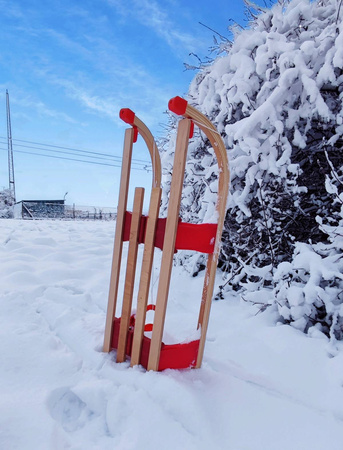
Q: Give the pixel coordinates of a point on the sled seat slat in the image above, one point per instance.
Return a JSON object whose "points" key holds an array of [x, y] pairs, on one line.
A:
{"points": [[172, 356], [190, 236]]}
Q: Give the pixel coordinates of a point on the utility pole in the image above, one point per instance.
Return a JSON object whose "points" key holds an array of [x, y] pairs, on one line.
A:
{"points": [[10, 149]]}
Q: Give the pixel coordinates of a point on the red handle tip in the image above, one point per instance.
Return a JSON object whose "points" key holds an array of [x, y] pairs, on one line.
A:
{"points": [[191, 131], [178, 105], [127, 115], [135, 134]]}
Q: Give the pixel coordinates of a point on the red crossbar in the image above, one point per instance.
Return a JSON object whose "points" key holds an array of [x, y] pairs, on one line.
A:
{"points": [[199, 237], [173, 356]]}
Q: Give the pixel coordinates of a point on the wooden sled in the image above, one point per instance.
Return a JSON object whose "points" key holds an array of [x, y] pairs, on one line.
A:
{"points": [[126, 334]]}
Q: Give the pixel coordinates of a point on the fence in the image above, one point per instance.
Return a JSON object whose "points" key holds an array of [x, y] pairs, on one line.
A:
{"points": [[40, 209], [89, 212]]}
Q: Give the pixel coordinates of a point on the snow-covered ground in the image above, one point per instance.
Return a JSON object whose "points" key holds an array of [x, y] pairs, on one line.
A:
{"points": [[261, 386]]}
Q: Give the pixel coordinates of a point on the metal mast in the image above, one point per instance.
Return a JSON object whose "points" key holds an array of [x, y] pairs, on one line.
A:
{"points": [[10, 149]]}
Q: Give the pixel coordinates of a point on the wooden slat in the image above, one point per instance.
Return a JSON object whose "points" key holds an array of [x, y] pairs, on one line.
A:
{"points": [[130, 274], [118, 243], [223, 187], [205, 306], [144, 283], [153, 150], [169, 242]]}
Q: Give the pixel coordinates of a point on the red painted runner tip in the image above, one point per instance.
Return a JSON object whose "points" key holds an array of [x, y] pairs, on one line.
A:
{"points": [[191, 131], [135, 134], [127, 115], [178, 105]]}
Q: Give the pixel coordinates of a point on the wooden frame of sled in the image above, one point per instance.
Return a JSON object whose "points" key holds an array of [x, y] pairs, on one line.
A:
{"points": [[126, 334]]}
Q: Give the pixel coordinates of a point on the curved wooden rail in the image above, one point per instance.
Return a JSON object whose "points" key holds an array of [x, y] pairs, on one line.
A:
{"points": [[181, 107], [191, 116], [138, 126], [130, 118]]}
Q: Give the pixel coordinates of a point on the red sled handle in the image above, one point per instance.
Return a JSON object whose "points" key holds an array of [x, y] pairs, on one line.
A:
{"points": [[129, 117], [181, 107]]}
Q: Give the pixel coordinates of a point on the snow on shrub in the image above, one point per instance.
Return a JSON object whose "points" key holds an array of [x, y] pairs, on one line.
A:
{"points": [[309, 290], [275, 96], [6, 204]]}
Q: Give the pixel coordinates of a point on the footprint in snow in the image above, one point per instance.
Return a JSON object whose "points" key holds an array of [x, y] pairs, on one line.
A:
{"points": [[66, 408]]}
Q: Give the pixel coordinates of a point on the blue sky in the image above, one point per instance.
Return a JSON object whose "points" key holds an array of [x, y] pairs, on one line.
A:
{"points": [[70, 66]]}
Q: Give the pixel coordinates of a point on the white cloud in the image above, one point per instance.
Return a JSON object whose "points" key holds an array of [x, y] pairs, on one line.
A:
{"points": [[68, 43], [148, 100], [86, 98], [150, 14], [23, 100], [9, 9], [92, 66], [43, 110]]}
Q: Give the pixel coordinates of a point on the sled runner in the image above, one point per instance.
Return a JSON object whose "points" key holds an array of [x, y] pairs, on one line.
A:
{"points": [[126, 333]]}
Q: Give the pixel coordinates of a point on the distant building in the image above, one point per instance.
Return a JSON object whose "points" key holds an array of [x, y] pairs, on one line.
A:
{"points": [[39, 209]]}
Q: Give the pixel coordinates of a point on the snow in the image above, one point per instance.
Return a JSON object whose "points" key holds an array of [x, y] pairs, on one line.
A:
{"points": [[262, 386], [276, 82]]}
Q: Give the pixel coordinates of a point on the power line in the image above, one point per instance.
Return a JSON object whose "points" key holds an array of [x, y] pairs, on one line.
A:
{"points": [[145, 168], [74, 149], [117, 159]]}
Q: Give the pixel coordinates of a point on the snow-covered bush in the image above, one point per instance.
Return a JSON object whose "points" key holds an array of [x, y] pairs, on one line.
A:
{"points": [[6, 204], [309, 290], [276, 99]]}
